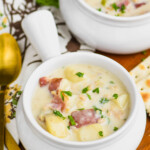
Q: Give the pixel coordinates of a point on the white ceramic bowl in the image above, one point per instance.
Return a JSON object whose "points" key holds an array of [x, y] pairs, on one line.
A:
{"points": [[120, 35], [82, 58], [36, 21]]}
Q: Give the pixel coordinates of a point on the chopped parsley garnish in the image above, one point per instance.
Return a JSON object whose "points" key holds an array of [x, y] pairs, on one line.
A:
{"points": [[115, 128], [80, 74], [95, 108], [122, 9], [57, 113], [115, 96], [68, 127], [99, 9], [72, 122], [62, 96], [144, 52], [104, 100], [89, 96], [96, 90], [100, 133], [81, 108], [112, 82], [103, 2], [114, 5], [142, 59], [65, 92], [85, 89]]}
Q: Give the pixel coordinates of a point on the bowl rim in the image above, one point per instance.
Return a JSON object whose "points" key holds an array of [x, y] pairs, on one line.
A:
{"points": [[31, 120], [111, 17]]}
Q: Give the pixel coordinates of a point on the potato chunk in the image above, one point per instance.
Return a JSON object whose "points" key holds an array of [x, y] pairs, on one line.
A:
{"points": [[122, 101], [90, 132], [70, 74], [56, 126]]}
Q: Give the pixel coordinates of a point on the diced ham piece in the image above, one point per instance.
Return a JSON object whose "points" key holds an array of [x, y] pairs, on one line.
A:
{"points": [[43, 81], [54, 84], [125, 2], [139, 5], [57, 103], [84, 117]]}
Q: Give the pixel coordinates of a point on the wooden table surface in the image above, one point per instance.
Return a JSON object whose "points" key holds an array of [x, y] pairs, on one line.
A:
{"points": [[129, 62]]}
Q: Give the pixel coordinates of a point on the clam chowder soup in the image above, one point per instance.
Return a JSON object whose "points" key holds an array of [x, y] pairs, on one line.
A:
{"points": [[121, 7], [80, 102]]}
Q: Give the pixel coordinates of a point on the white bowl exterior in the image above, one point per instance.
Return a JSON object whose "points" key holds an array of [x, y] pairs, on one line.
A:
{"points": [[120, 37], [81, 58]]}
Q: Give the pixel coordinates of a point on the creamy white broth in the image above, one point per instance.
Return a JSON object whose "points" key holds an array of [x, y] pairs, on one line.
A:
{"points": [[121, 7], [114, 112]]}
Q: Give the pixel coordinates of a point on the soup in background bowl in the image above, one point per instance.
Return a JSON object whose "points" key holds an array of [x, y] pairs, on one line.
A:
{"points": [[120, 7], [80, 102]]}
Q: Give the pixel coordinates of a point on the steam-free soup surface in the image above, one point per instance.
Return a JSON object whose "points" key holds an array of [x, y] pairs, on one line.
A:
{"points": [[80, 102], [121, 7]]}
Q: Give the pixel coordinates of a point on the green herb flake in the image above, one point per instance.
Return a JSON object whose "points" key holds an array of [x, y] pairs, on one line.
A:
{"points": [[68, 127], [115, 128], [72, 122], [95, 108], [144, 52], [142, 59], [62, 96], [99, 9], [65, 92], [103, 2], [89, 96], [100, 133], [14, 101], [57, 113], [111, 82], [115, 96], [54, 3], [80, 74], [122, 9], [85, 89], [81, 108], [114, 5], [104, 100], [96, 90]]}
